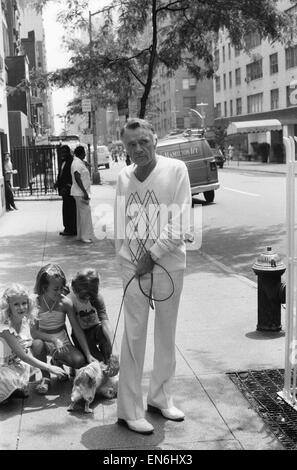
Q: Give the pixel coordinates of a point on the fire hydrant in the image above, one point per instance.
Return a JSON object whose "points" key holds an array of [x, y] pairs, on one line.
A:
{"points": [[271, 295]]}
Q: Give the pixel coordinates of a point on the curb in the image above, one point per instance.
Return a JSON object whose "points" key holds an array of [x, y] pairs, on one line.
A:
{"points": [[254, 170], [229, 271]]}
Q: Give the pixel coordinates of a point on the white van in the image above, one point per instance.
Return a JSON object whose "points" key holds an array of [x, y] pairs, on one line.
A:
{"points": [[200, 161]]}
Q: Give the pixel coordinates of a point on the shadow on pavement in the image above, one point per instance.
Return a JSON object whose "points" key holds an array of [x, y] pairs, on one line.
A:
{"points": [[113, 436], [264, 335], [238, 247], [22, 256]]}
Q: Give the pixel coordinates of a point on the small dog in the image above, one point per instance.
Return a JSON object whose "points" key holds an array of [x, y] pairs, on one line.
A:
{"points": [[91, 380]]}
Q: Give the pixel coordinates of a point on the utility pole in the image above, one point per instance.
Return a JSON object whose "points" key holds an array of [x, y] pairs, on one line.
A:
{"points": [[203, 114], [96, 174]]}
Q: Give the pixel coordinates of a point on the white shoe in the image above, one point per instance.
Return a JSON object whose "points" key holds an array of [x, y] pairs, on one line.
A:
{"points": [[86, 241], [142, 426], [172, 413]]}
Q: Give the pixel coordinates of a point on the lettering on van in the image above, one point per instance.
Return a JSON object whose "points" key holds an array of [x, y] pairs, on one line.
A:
{"points": [[180, 152]]}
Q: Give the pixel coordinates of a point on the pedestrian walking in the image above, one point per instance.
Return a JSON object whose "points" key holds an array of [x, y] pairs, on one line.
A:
{"points": [[18, 312], [63, 184], [8, 172], [230, 152], [50, 330], [80, 190], [152, 258]]}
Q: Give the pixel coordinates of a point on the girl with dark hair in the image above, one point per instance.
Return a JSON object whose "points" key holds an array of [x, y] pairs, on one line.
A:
{"points": [[50, 328]]}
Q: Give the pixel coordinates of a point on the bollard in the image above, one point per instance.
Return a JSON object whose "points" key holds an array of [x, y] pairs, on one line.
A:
{"points": [[269, 270]]}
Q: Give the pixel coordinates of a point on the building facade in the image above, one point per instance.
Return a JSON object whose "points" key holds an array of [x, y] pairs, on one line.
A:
{"points": [[173, 101], [33, 45], [257, 85], [4, 131]]}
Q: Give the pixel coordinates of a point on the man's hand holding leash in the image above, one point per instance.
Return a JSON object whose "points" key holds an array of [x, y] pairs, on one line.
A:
{"points": [[145, 265]]}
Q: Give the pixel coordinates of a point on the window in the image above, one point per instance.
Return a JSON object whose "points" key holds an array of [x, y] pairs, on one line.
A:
{"points": [[180, 122], [231, 108], [218, 83], [229, 50], [254, 70], [291, 57], [217, 58], [237, 76], [252, 40], [225, 108], [288, 93], [238, 106], [255, 103], [274, 98], [273, 63], [192, 82], [230, 79], [224, 80], [189, 83], [237, 50], [189, 101], [219, 110], [223, 50]]}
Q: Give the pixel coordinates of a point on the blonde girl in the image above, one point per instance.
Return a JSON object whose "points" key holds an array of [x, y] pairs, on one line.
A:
{"points": [[17, 313], [50, 330]]}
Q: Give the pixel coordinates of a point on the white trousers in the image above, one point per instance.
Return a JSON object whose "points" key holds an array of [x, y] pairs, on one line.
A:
{"points": [[84, 222], [136, 311]]}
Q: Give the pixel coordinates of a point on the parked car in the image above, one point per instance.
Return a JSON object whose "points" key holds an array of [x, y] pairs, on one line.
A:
{"points": [[219, 157], [103, 156], [198, 156]]}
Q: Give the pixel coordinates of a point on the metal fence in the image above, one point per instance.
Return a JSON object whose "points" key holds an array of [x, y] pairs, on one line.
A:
{"points": [[289, 392], [37, 170]]}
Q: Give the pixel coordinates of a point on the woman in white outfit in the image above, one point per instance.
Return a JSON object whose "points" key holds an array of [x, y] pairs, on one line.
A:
{"points": [[80, 190]]}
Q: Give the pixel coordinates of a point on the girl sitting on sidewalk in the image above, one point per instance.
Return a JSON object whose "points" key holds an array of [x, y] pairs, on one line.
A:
{"points": [[50, 330], [17, 312], [90, 311]]}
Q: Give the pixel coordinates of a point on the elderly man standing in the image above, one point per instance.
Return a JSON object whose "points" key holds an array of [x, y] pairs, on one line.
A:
{"points": [[152, 209]]}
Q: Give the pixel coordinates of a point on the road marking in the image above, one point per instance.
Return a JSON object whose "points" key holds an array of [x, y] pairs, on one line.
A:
{"points": [[241, 192]]}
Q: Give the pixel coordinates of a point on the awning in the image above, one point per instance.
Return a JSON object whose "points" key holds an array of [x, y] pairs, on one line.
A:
{"points": [[246, 127]]}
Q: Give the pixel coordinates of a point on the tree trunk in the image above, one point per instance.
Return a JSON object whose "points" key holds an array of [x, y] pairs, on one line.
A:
{"points": [[149, 81]]}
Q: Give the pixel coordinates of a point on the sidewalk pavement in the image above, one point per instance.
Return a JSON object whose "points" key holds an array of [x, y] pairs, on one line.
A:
{"points": [[276, 168], [215, 335]]}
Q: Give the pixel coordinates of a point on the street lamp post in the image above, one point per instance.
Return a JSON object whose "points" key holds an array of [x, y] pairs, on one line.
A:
{"points": [[96, 174], [201, 115]]}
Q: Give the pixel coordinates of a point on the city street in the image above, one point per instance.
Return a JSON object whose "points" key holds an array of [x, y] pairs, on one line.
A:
{"points": [[248, 214]]}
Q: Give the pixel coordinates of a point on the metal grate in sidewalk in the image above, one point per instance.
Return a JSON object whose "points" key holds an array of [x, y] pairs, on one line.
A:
{"points": [[260, 388]]}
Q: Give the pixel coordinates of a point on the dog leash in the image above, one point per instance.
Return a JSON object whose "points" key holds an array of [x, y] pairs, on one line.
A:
{"points": [[149, 296]]}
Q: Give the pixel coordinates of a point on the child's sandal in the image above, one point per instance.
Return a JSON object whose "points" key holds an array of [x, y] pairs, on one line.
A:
{"points": [[43, 386]]}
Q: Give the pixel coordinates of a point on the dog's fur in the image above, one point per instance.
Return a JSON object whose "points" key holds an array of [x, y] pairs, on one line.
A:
{"points": [[91, 380]]}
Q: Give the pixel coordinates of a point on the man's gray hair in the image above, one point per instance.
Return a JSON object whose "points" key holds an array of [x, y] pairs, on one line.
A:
{"points": [[135, 123]]}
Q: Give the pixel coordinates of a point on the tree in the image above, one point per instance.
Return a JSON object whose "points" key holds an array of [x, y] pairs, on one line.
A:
{"points": [[173, 33]]}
